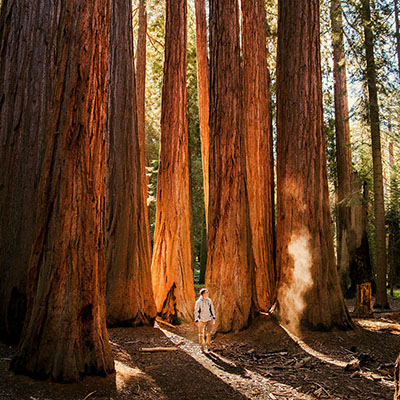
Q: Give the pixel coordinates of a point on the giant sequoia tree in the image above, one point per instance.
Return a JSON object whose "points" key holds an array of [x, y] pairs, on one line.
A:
{"points": [[129, 288], [259, 163], [228, 275], [24, 80], [346, 242], [141, 100], [203, 90], [64, 334], [171, 266], [310, 291], [381, 300]]}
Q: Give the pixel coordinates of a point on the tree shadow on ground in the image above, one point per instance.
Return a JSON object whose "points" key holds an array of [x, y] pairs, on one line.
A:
{"points": [[175, 374], [226, 365], [317, 365]]}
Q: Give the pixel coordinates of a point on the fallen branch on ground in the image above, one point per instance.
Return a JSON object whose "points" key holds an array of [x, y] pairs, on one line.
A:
{"points": [[165, 323], [151, 349]]}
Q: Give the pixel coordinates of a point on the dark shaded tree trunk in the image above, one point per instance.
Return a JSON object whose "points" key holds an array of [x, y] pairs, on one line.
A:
{"points": [[203, 90], [129, 288], [259, 162], [141, 103], [343, 150], [228, 274], [381, 300], [24, 82], [65, 334], [393, 222], [360, 262], [310, 292], [171, 266]]}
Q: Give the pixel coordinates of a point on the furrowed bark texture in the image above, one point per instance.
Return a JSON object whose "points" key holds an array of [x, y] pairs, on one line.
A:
{"points": [[141, 100], [228, 274], [130, 298], [259, 162], [64, 334], [381, 300], [203, 90], [171, 265], [24, 80], [305, 252], [345, 238]]}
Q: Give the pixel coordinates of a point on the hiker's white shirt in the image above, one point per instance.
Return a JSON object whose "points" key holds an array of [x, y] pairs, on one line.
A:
{"points": [[204, 310]]}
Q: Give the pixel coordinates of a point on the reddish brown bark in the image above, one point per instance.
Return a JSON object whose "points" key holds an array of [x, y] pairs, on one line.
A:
{"points": [[228, 274], [129, 288], [381, 300], [171, 265], [140, 96], [343, 150], [309, 292], [203, 92], [259, 162], [24, 80], [64, 334]]}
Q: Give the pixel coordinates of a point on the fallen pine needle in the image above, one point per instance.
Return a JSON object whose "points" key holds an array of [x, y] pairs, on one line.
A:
{"points": [[149, 368], [89, 395], [317, 384]]}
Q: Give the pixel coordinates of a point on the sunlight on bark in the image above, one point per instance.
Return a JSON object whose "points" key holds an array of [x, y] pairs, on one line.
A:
{"points": [[291, 294]]}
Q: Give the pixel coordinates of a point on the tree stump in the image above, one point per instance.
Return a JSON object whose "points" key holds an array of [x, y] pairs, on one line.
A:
{"points": [[363, 308]]}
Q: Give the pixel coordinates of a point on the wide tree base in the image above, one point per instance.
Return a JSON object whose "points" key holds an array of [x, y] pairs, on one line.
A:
{"points": [[59, 368]]}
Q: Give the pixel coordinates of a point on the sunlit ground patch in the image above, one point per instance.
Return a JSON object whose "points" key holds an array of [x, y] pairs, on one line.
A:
{"points": [[249, 383]]}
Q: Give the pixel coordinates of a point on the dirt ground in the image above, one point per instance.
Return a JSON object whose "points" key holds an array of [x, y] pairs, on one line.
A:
{"points": [[262, 362]]}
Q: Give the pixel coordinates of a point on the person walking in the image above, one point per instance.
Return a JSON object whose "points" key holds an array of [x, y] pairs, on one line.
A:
{"points": [[204, 316]]}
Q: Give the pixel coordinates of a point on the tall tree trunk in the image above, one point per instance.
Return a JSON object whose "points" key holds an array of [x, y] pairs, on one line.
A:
{"points": [[343, 150], [65, 334], [259, 162], [203, 90], [24, 80], [228, 274], [203, 254], [381, 300], [360, 262], [129, 288], [171, 266], [310, 292], [396, 18], [141, 101]]}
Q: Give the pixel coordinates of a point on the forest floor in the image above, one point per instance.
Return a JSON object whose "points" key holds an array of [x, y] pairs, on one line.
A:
{"points": [[262, 362]]}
